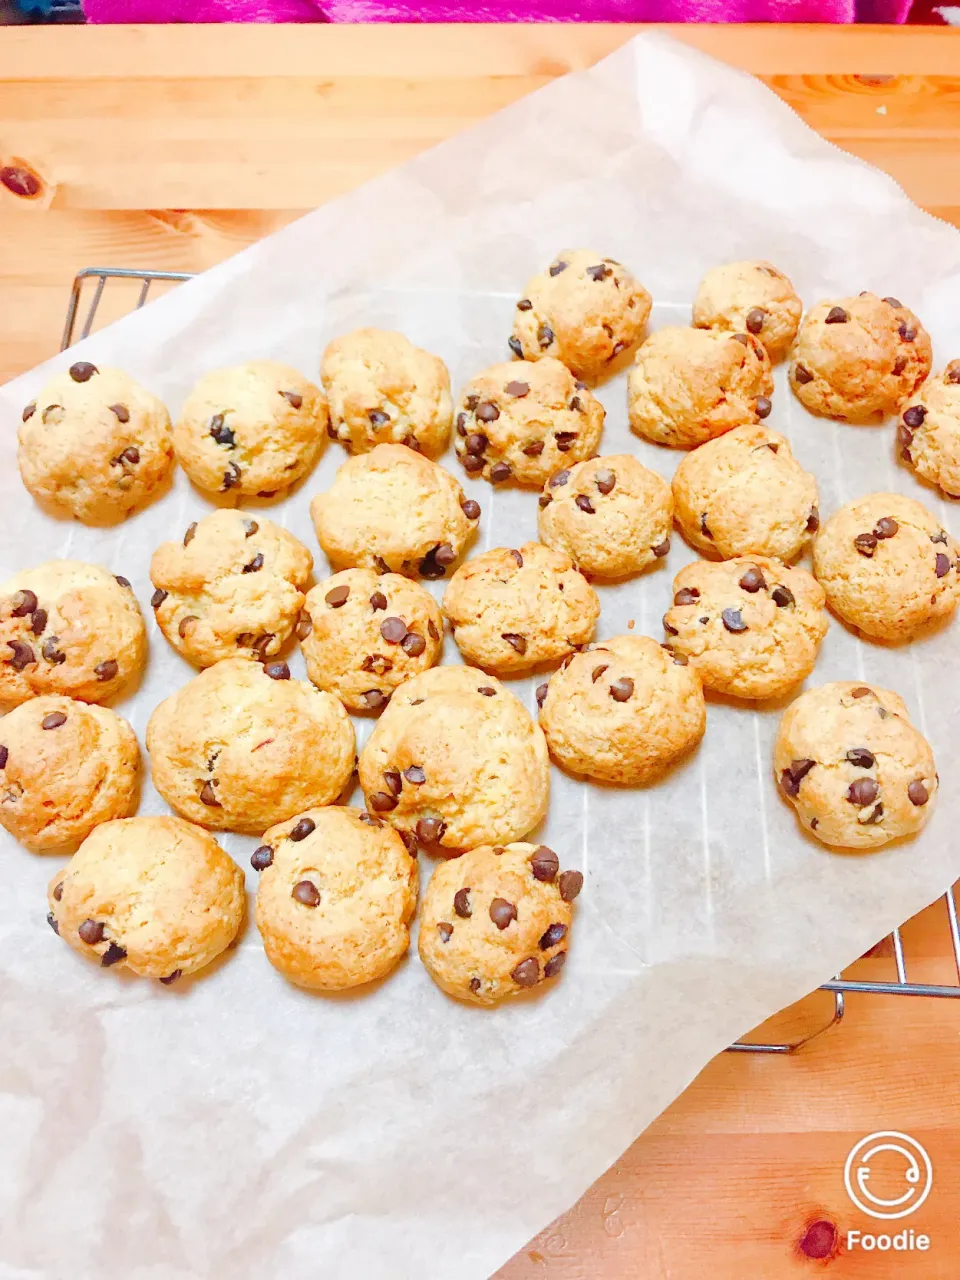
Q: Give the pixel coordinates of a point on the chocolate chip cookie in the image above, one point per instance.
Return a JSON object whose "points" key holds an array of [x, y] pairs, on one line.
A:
{"points": [[853, 766], [155, 896], [751, 627], [70, 628], [455, 762], [750, 297], [65, 767], [394, 511], [623, 711], [242, 747], [612, 516], [745, 494], [232, 586], [338, 889], [384, 390], [511, 610], [584, 310], [887, 566], [94, 444], [363, 633], [858, 359], [928, 435], [525, 420], [255, 428], [688, 386], [496, 922]]}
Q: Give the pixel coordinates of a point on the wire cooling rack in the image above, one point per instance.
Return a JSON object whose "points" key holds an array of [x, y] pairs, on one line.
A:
{"points": [[88, 290]]}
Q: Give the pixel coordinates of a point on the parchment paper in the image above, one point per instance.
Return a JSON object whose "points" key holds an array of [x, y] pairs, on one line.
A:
{"points": [[236, 1127]]}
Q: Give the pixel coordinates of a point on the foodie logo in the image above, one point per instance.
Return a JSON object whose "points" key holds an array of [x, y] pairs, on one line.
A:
{"points": [[888, 1175]]}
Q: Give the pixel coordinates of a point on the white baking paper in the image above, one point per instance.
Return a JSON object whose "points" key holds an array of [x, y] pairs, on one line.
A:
{"points": [[234, 1127]]}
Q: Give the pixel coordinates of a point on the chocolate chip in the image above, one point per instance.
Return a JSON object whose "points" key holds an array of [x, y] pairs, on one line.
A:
{"points": [[374, 700], [445, 930], [261, 645], [914, 416], [885, 527], [526, 973], [499, 472], [332, 431], [472, 463], [597, 672], [261, 858], [178, 973], [415, 775], [542, 693], [474, 985], [565, 440], [558, 478], [121, 413], [861, 691], [304, 828], [306, 893], [432, 630], [622, 690], [231, 476], [337, 597], [892, 302], [863, 791], [554, 964], [24, 603], [873, 817], [29, 411], [545, 864], [376, 663], [518, 389], [255, 565], [53, 721], [518, 558], [742, 339], [952, 372], [277, 671], [679, 658], [52, 922], [23, 655], [158, 597], [545, 336], [50, 651], [899, 365], [752, 580], [557, 267], [524, 304], [570, 884], [393, 630], [794, 774], [393, 780], [38, 622], [293, 398], [107, 670], [487, 411], [413, 644], [377, 601], [470, 509], [429, 568], [461, 904], [918, 793], [942, 564], [551, 936], [83, 371], [802, 375], [584, 503], [221, 432], [703, 526], [113, 953], [516, 346], [130, 456], [91, 932], [755, 319], [605, 480], [940, 536], [782, 596], [124, 582], [304, 626], [599, 272], [382, 801], [907, 333], [502, 912], [671, 630], [4, 757], [208, 796], [370, 821], [444, 554], [475, 443], [471, 402], [904, 440], [430, 830], [861, 757], [813, 520], [544, 500], [515, 642], [836, 315], [733, 620]]}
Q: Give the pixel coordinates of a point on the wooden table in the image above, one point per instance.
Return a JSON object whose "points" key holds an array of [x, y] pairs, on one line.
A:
{"points": [[172, 148]]}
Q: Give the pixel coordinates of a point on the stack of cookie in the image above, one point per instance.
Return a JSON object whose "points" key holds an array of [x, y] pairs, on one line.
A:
{"points": [[455, 765]]}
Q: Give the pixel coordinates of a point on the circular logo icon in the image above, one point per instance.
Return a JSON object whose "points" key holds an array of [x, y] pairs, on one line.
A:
{"points": [[908, 1175]]}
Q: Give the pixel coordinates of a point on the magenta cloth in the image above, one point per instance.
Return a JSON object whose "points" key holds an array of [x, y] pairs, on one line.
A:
{"points": [[205, 11]]}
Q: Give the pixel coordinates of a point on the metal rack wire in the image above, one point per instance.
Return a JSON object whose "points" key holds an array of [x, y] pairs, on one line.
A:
{"points": [[897, 985]]}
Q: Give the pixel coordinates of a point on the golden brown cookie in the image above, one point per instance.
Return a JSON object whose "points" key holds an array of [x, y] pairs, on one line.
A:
{"points": [[584, 310], [751, 627], [242, 747], [65, 767], [157, 896], [688, 386], [750, 297], [858, 359], [928, 435], [455, 761], [255, 428], [887, 566], [745, 494], [512, 610], [338, 889], [231, 587], [363, 633], [496, 922], [853, 766], [623, 711], [394, 511], [94, 444], [522, 421], [70, 628], [384, 390], [612, 516]]}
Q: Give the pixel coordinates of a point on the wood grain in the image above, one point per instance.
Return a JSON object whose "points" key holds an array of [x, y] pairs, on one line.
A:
{"points": [[175, 147]]}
